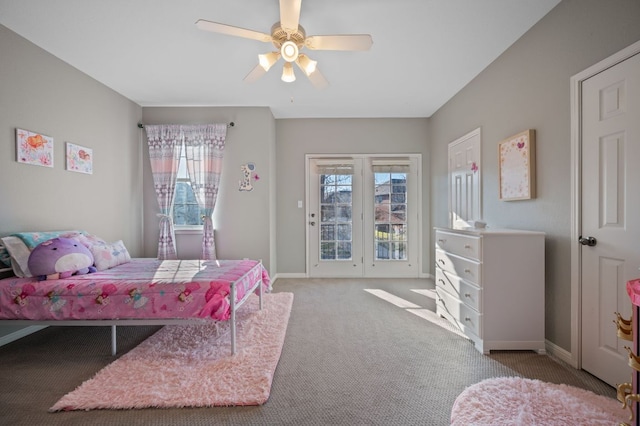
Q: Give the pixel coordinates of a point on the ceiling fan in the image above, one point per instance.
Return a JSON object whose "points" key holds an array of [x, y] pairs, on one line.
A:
{"points": [[289, 38]]}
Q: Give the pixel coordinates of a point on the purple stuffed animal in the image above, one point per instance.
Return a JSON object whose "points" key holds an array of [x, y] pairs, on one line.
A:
{"points": [[60, 258]]}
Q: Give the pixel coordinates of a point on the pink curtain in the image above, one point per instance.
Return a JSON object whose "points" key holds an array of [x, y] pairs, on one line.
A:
{"points": [[165, 144], [204, 149]]}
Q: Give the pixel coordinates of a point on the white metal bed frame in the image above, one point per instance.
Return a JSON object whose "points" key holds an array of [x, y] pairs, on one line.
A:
{"points": [[157, 321]]}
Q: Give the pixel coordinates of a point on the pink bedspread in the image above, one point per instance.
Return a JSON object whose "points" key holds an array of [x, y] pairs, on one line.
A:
{"points": [[140, 289]]}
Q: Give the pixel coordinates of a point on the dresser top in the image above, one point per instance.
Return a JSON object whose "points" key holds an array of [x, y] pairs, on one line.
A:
{"points": [[489, 231]]}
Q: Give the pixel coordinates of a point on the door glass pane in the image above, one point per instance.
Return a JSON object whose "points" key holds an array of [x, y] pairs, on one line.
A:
{"points": [[390, 204], [336, 217]]}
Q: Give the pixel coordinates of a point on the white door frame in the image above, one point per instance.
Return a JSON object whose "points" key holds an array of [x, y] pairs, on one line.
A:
{"points": [[419, 236], [576, 193]]}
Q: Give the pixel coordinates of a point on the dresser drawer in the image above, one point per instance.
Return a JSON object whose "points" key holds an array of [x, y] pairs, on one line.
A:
{"points": [[468, 293], [462, 267], [462, 245], [465, 317]]}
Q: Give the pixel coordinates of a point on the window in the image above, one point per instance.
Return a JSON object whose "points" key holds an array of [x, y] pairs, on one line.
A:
{"points": [[390, 198], [186, 211]]}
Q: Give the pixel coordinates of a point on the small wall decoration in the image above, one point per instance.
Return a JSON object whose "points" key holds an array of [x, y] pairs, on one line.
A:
{"points": [[248, 175], [516, 159], [34, 148], [79, 158]]}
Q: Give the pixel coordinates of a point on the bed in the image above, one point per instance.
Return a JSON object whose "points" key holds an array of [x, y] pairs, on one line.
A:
{"points": [[138, 291]]}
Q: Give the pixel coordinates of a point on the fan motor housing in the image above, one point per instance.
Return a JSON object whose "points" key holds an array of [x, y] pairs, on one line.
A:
{"points": [[279, 36]]}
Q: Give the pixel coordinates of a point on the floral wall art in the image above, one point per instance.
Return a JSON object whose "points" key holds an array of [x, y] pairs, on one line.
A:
{"points": [[34, 148], [516, 157], [79, 158]]}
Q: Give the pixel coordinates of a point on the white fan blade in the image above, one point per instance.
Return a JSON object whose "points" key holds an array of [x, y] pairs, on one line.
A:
{"points": [[316, 77], [255, 74], [318, 80], [339, 42], [290, 15], [216, 27]]}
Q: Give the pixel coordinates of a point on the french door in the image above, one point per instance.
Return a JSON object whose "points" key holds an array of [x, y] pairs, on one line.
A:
{"points": [[363, 216]]}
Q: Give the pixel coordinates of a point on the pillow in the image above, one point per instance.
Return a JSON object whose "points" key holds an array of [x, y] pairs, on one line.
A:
{"points": [[18, 246], [109, 255], [86, 240], [5, 257], [32, 239], [19, 254]]}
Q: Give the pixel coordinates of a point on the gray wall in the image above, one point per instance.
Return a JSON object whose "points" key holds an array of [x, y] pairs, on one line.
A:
{"points": [[38, 92], [297, 137], [244, 221], [528, 88]]}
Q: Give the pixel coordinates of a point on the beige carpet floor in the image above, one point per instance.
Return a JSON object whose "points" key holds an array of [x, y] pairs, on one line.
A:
{"points": [[349, 358]]}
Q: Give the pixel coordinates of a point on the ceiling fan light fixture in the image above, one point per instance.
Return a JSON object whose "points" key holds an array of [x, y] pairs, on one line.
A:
{"points": [[267, 60], [308, 65], [289, 51], [287, 73]]}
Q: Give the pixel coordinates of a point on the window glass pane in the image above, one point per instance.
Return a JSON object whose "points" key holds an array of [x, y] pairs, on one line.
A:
{"points": [[390, 215], [344, 213], [399, 251], [327, 213], [344, 250], [327, 232], [328, 251], [327, 194], [382, 212], [335, 216], [343, 194], [186, 211], [382, 232], [399, 232], [382, 251], [344, 232]]}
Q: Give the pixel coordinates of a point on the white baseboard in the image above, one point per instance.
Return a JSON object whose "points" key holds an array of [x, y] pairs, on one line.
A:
{"points": [[290, 275], [20, 333], [562, 354]]}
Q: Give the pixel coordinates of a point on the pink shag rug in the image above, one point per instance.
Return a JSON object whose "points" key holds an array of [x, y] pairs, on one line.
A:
{"points": [[192, 366], [517, 401]]}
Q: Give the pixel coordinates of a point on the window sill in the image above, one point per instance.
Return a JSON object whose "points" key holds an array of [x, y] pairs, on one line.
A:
{"points": [[188, 230]]}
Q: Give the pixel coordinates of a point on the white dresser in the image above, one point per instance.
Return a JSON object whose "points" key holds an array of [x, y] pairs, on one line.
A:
{"points": [[490, 283]]}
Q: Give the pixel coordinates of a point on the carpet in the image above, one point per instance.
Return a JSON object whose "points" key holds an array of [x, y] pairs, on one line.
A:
{"points": [[517, 401], [191, 366]]}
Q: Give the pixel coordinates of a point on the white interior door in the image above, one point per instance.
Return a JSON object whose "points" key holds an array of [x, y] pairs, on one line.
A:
{"points": [[610, 205], [464, 180]]}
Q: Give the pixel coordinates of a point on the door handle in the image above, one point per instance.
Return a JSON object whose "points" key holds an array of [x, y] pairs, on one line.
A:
{"points": [[589, 241]]}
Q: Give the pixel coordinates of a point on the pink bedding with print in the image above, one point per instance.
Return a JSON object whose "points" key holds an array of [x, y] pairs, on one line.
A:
{"points": [[140, 289]]}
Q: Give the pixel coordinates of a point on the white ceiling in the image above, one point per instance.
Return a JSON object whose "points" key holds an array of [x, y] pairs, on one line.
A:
{"points": [[150, 51]]}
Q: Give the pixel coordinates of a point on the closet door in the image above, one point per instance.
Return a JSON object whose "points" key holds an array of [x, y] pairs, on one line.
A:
{"points": [[464, 180]]}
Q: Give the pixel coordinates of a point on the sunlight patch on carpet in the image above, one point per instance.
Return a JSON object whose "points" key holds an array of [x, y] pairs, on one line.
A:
{"points": [[191, 365], [395, 300]]}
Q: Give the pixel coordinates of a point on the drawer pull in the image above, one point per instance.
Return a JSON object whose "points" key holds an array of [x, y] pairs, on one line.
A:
{"points": [[441, 261], [467, 271], [467, 295], [441, 280], [467, 246], [467, 319], [441, 241]]}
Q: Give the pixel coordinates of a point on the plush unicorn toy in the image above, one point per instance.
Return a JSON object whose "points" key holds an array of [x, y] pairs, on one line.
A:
{"points": [[60, 258]]}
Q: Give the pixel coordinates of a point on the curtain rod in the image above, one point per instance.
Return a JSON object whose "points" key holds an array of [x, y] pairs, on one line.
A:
{"points": [[231, 124]]}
